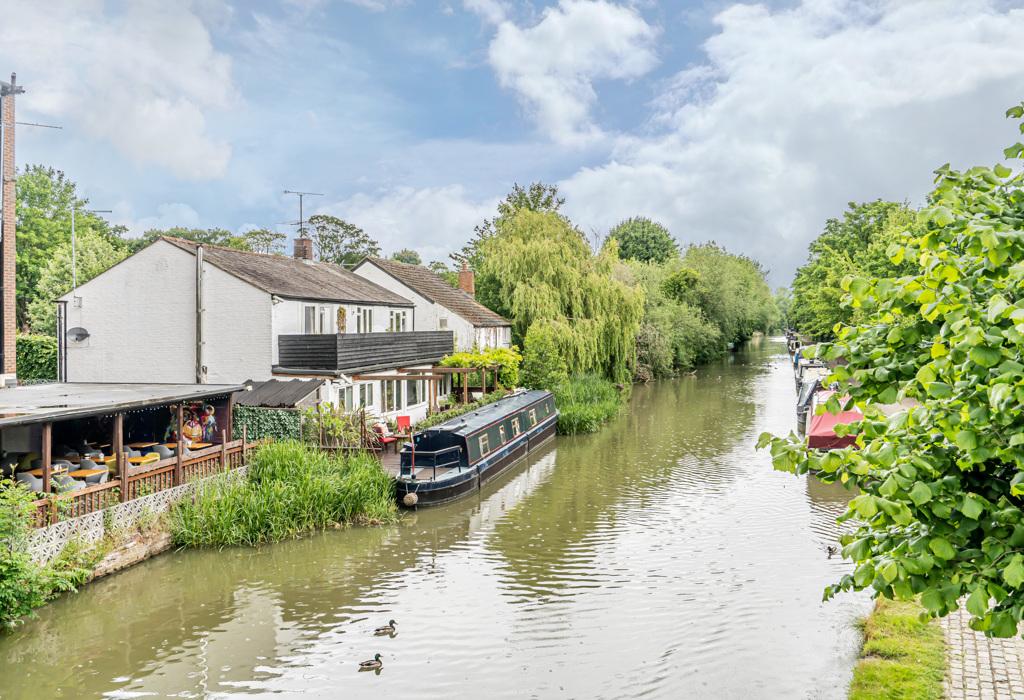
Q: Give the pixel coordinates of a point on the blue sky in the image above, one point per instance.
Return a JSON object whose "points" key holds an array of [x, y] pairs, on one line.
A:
{"points": [[742, 123]]}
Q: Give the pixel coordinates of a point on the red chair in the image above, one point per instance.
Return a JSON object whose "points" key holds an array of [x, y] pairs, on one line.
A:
{"points": [[383, 438], [404, 423]]}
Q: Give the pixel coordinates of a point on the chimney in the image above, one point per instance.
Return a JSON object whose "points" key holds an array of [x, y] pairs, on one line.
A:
{"points": [[303, 248], [8, 349], [467, 281]]}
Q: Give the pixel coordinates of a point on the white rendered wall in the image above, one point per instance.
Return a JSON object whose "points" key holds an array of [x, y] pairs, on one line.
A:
{"points": [[236, 328]]}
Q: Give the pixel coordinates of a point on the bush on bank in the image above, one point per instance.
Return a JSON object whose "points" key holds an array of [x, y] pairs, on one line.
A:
{"points": [[290, 488], [586, 402]]}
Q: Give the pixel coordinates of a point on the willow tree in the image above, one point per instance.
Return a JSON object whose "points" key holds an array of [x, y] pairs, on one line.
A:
{"points": [[539, 269], [940, 511]]}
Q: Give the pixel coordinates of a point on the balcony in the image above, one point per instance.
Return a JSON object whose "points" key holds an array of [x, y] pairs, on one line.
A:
{"points": [[349, 353]]}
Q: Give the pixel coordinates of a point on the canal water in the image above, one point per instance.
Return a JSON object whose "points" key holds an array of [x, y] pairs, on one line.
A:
{"points": [[660, 558]]}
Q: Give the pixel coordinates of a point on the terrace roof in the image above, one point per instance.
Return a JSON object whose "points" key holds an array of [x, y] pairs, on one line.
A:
{"points": [[44, 403]]}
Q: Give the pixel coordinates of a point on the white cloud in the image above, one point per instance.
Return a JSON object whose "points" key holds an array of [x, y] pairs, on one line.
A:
{"points": [[799, 111], [142, 80], [433, 221], [553, 65], [168, 215], [491, 11]]}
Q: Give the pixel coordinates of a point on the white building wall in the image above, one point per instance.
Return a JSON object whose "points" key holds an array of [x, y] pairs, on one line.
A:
{"points": [[426, 310], [236, 329], [140, 315]]}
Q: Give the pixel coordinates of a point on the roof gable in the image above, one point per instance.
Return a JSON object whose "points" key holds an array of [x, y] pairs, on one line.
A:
{"points": [[292, 278], [432, 287]]}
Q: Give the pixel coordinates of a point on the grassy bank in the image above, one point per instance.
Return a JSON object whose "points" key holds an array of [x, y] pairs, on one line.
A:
{"points": [[586, 402], [902, 657], [290, 489]]}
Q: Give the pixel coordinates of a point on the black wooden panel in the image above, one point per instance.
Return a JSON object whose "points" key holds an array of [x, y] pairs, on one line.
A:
{"points": [[351, 352]]}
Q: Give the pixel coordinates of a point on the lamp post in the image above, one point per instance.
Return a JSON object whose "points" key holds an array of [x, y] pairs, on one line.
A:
{"points": [[74, 258]]}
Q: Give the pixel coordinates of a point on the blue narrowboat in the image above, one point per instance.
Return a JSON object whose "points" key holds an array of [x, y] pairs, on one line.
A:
{"points": [[458, 456]]}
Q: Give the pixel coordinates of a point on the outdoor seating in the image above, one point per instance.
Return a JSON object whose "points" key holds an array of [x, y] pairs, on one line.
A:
{"points": [[34, 483], [383, 436], [163, 451], [63, 484], [100, 478]]}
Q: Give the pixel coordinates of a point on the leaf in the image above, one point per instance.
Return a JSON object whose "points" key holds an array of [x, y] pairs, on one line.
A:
{"points": [[888, 487], [977, 602], [966, 440], [889, 571], [940, 390], [920, 494], [985, 356], [941, 216], [932, 600], [971, 507], [1002, 171], [942, 548], [1003, 625], [1013, 574]]}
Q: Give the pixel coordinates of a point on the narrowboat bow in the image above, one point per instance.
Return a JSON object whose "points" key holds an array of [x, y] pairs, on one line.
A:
{"points": [[458, 456]]}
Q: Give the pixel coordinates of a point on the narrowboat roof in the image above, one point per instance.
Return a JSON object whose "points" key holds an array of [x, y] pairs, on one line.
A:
{"points": [[469, 423]]}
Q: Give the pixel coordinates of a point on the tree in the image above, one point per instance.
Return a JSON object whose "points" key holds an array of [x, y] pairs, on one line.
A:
{"points": [[538, 196], [95, 253], [537, 267], [543, 364], [442, 270], [407, 256], [940, 481], [261, 240], [206, 236], [641, 239], [337, 241], [45, 198]]}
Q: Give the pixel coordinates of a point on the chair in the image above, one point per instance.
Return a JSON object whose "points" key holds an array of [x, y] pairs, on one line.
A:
{"points": [[35, 483], [88, 464], [100, 478], [383, 438], [404, 423], [64, 484], [164, 451]]}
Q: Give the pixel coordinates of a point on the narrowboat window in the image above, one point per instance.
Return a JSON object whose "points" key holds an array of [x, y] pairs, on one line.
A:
{"points": [[501, 433], [515, 427], [533, 417], [485, 444]]}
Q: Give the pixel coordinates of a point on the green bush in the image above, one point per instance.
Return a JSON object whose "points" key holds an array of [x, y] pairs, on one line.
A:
{"points": [[506, 359], [438, 418], [290, 488], [544, 364], [585, 403], [37, 357], [260, 423]]}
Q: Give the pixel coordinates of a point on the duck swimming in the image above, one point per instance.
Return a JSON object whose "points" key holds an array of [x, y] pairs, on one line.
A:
{"points": [[386, 629], [372, 665]]}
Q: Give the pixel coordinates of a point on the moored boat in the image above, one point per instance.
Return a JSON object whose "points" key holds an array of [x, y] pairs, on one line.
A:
{"points": [[458, 456]]}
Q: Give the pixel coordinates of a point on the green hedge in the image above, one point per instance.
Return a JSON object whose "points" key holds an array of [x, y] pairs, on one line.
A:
{"points": [[276, 423], [37, 357]]}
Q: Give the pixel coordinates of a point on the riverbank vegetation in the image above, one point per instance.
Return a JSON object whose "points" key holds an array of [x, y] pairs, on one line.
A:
{"points": [[902, 657], [939, 512], [290, 488]]}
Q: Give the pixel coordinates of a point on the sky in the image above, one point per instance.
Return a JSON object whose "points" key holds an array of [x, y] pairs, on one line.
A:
{"points": [[747, 124]]}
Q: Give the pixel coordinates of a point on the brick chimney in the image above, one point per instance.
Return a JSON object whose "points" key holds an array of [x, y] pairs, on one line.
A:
{"points": [[303, 248], [467, 281], [7, 249]]}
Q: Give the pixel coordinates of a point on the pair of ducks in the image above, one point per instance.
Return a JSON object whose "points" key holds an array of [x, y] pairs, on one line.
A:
{"points": [[375, 664]]}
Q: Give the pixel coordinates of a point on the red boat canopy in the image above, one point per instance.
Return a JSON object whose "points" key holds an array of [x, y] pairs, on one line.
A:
{"points": [[822, 434]]}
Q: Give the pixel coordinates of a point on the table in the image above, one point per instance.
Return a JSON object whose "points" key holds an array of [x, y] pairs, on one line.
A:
{"points": [[146, 459], [199, 445], [83, 473], [141, 445], [54, 469]]}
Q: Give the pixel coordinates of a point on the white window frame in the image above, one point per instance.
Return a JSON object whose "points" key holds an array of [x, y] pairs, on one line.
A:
{"points": [[308, 319], [485, 444], [364, 319]]}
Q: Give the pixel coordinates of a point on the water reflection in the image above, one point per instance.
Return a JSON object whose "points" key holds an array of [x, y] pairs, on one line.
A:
{"points": [[661, 557]]}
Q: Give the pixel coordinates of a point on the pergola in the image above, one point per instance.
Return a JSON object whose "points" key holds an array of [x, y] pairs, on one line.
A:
{"points": [[462, 373]]}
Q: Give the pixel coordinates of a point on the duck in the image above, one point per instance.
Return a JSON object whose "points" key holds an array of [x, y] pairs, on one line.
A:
{"points": [[373, 664], [386, 629], [832, 549]]}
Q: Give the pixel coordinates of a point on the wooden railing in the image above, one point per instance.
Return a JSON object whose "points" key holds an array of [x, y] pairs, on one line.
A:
{"points": [[142, 480]]}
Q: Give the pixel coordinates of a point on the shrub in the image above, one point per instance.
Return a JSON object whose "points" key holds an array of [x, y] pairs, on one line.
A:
{"points": [[438, 418], [506, 359], [543, 363], [260, 423], [585, 403], [290, 488], [37, 357]]}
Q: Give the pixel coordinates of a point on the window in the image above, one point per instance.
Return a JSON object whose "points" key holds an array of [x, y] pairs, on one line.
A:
{"points": [[413, 393], [396, 322], [533, 417], [309, 319], [442, 323], [389, 395], [515, 427], [366, 394], [364, 320], [501, 434], [485, 444], [325, 321], [345, 397]]}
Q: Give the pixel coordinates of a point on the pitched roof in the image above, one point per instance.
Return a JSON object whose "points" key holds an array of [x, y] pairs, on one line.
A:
{"points": [[278, 394], [435, 289], [296, 279]]}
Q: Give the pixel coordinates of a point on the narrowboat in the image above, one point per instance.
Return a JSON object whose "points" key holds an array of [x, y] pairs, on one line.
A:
{"points": [[458, 456]]}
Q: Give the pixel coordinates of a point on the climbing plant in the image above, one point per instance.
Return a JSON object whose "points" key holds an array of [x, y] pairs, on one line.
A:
{"points": [[275, 423], [507, 360], [941, 482]]}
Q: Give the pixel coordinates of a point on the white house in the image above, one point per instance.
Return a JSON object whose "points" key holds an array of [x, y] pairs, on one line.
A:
{"points": [[438, 305], [181, 312]]}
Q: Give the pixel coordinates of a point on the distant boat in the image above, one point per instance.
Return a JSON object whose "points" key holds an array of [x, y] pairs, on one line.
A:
{"points": [[458, 456]]}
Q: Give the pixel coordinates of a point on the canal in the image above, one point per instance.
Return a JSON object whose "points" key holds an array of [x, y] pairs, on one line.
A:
{"points": [[659, 558]]}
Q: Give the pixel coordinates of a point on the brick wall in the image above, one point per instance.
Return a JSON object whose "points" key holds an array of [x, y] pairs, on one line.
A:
{"points": [[7, 252]]}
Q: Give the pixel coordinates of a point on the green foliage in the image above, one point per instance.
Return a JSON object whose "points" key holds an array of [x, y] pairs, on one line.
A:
{"points": [[407, 256], [327, 424], [641, 239], [903, 656], [538, 197], [291, 488], [784, 303], [261, 240], [94, 253], [337, 241], [939, 508], [206, 236], [260, 423], [506, 359], [37, 357], [537, 267], [448, 275], [585, 403], [543, 364], [442, 416], [853, 245]]}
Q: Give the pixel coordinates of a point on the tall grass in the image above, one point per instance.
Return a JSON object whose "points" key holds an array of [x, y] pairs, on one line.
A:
{"points": [[290, 488], [585, 402]]}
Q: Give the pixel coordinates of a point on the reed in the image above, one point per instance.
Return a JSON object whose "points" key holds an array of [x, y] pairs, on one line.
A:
{"points": [[586, 402], [291, 488]]}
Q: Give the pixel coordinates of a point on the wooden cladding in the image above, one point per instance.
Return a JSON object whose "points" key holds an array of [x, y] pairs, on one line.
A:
{"points": [[363, 352]]}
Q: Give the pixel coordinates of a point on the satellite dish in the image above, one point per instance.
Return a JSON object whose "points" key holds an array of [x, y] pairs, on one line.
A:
{"points": [[78, 334]]}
